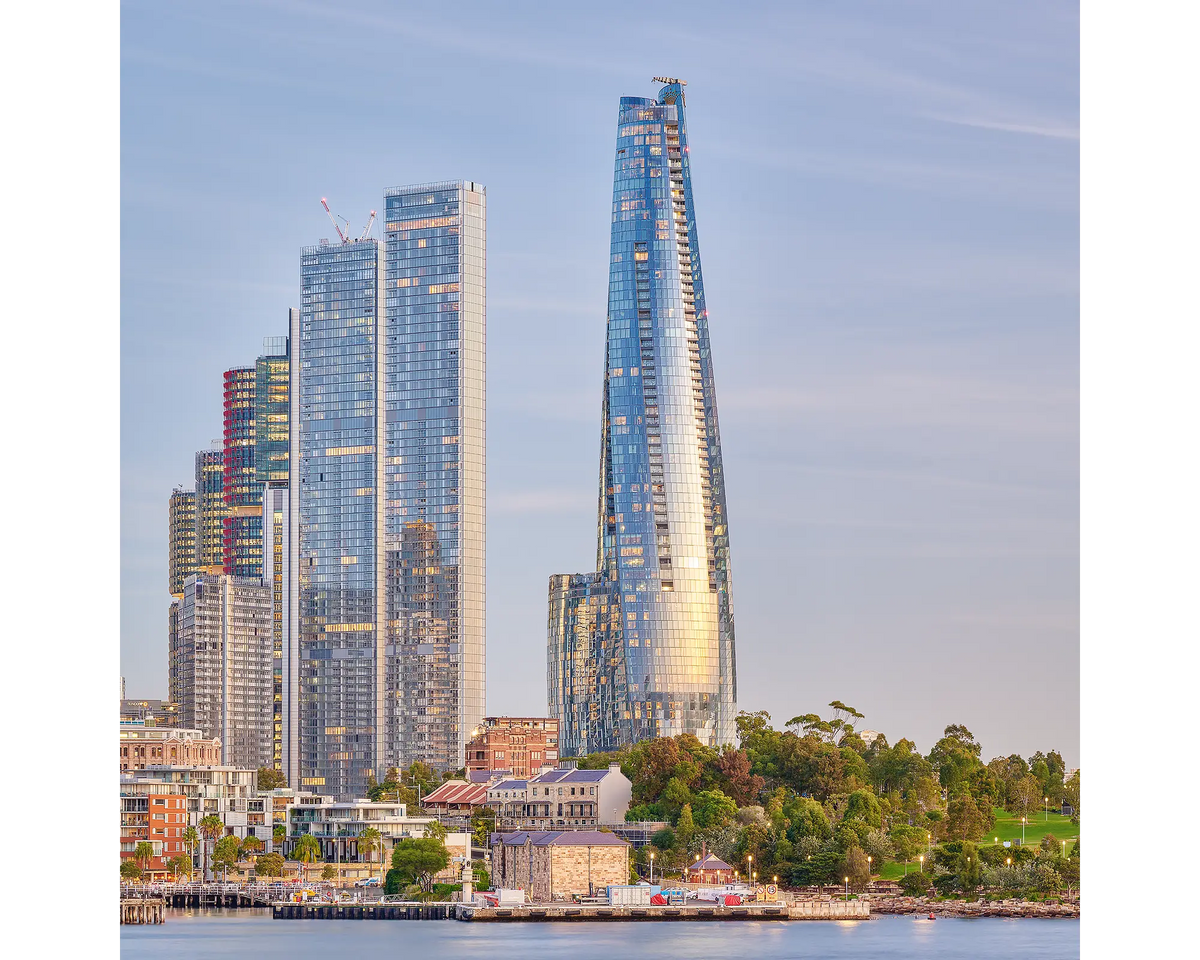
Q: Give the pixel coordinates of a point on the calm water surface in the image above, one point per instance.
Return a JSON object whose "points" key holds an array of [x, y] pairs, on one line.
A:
{"points": [[202, 934]]}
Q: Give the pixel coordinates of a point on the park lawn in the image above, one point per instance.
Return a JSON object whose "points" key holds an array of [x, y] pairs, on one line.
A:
{"points": [[894, 869], [1008, 827]]}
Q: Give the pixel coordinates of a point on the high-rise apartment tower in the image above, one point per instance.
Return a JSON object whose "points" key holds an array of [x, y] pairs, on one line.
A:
{"points": [[644, 647]]}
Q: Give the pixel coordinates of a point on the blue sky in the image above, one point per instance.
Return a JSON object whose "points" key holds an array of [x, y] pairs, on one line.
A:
{"points": [[887, 201]]}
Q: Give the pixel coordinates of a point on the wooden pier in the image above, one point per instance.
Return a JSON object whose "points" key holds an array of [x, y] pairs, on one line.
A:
{"points": [[549, 913], [363, 911], [142, 910]]}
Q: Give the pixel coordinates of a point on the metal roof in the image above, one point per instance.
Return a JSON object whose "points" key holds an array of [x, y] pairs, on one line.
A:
{"points": [[459, 791], [559, 838]]}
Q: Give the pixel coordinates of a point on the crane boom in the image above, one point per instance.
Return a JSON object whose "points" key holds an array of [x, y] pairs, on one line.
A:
{"points": [[370, 223], [341, 236]]}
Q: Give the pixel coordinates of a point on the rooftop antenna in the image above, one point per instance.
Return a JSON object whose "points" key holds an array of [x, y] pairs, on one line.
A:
{"points": [[682, 83]]}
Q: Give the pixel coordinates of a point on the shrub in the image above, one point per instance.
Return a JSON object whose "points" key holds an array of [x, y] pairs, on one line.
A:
{"points": [[915, 884]]}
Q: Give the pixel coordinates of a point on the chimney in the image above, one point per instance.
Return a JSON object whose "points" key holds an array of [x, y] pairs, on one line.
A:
{"points": [[614, 767], [568, 764]]}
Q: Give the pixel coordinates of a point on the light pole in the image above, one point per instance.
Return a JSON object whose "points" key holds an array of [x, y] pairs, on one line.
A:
{"points": [[1064, 849], [1046, 801], [1023, 819], [749, 862], [921, 858], [847, 879], [869, 869], [652, 867]]}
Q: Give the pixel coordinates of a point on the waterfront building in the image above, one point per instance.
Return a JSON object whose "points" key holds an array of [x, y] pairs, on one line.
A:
{"points": [[558, 864], [435, 308], [159, 802], [210, 510], [221, 660], [563, 797], [522, 745], [145, 743], [383, 650], [644, 647], [337, 825], [708, 868], [181, 545]]}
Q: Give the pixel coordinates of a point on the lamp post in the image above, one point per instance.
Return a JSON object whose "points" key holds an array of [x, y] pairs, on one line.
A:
{"points": [[652, 867], [921, 858], [749, 863], [1023, 819], [869, 859], [1064, 849], [847, 879], [1046, 801]]}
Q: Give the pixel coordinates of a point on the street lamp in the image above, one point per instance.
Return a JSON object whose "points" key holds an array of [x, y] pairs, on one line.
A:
{"points": [[749, 864], [1064, 849], [847, 879], [652, 867], [869, 869], [1023, 819], [1046, 801], [922, 859]]}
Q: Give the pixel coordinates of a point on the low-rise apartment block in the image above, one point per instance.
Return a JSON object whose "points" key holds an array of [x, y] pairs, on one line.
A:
{"points": [[522, 745], [562, 797]]}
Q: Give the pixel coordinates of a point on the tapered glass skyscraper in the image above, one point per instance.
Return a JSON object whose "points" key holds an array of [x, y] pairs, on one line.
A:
{"points": [[644, 647]]}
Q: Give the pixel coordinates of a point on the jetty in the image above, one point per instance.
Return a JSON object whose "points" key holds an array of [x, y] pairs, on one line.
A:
{"points": [[574, 912], [142, 910], [227, 895]]}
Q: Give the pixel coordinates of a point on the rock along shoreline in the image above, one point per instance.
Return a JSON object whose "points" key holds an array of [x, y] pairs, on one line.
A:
{"points": [[975, 908]]}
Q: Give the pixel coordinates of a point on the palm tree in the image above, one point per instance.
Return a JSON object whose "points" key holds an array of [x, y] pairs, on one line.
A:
{"points": [[307, 851], [212, 827], [143, 853], [370, 839], [191, 838]]}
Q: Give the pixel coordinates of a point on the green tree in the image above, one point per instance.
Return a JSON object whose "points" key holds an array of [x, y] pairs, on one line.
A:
{"points": [[840, 723], [211, 827], [864, 805], [483, 825], [191, 838], [807, 819], [915, 884], [329, 872], [970, 868], [857, 868], [713, 809], [685, 828], [307, 851], [180, 866], [1025, 796], [738, 783], [130, 869], [964, 819], [278, 833], [269, 865], [369, 841], [418, 860], [225, 853], [908, 841], [270, 779], [143, 853], [251, 847], [955, 757]]}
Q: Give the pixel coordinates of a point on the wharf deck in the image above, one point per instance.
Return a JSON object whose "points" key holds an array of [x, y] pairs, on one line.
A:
{"points": [[803, 910]]}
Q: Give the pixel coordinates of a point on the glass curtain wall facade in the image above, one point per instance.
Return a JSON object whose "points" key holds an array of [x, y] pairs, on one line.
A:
{"points": [[210, 511], [271, 445], [181, 547], [336, 507], [645, 647], [434, 468], [242, 540]]}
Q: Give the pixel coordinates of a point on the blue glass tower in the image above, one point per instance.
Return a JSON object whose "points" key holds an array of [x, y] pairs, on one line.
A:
{"points": [[645, 646]]}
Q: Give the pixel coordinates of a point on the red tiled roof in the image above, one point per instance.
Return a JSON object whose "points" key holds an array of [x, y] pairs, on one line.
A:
{"points": [[458, 791]]}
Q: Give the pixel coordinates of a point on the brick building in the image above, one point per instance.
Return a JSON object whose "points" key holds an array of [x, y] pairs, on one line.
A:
{"points": [[158, 819], [145, 744], [558, 863], [521, 745], [708, 869]]}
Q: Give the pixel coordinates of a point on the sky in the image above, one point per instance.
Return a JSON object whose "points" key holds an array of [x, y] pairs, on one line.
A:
{"points": [[888, 216]]}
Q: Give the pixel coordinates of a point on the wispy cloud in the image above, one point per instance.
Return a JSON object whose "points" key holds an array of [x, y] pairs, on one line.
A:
{"points": [[1052, 129]]}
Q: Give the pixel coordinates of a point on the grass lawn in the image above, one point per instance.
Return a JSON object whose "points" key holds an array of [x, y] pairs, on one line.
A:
{"points": [[1008, 827], [893, 870]]}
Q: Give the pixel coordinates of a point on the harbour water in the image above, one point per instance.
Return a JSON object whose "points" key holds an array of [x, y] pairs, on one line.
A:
{"points": [[211, 934]]}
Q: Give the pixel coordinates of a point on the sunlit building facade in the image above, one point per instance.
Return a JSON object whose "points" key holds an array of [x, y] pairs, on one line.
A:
{"points": [[242, 537], [435, 309], [333, 661], [181, 543], [211, 510], [645, 646]]}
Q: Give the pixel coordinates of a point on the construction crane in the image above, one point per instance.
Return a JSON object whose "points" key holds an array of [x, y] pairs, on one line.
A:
{"points": [[370, 223], [341, 236]]}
